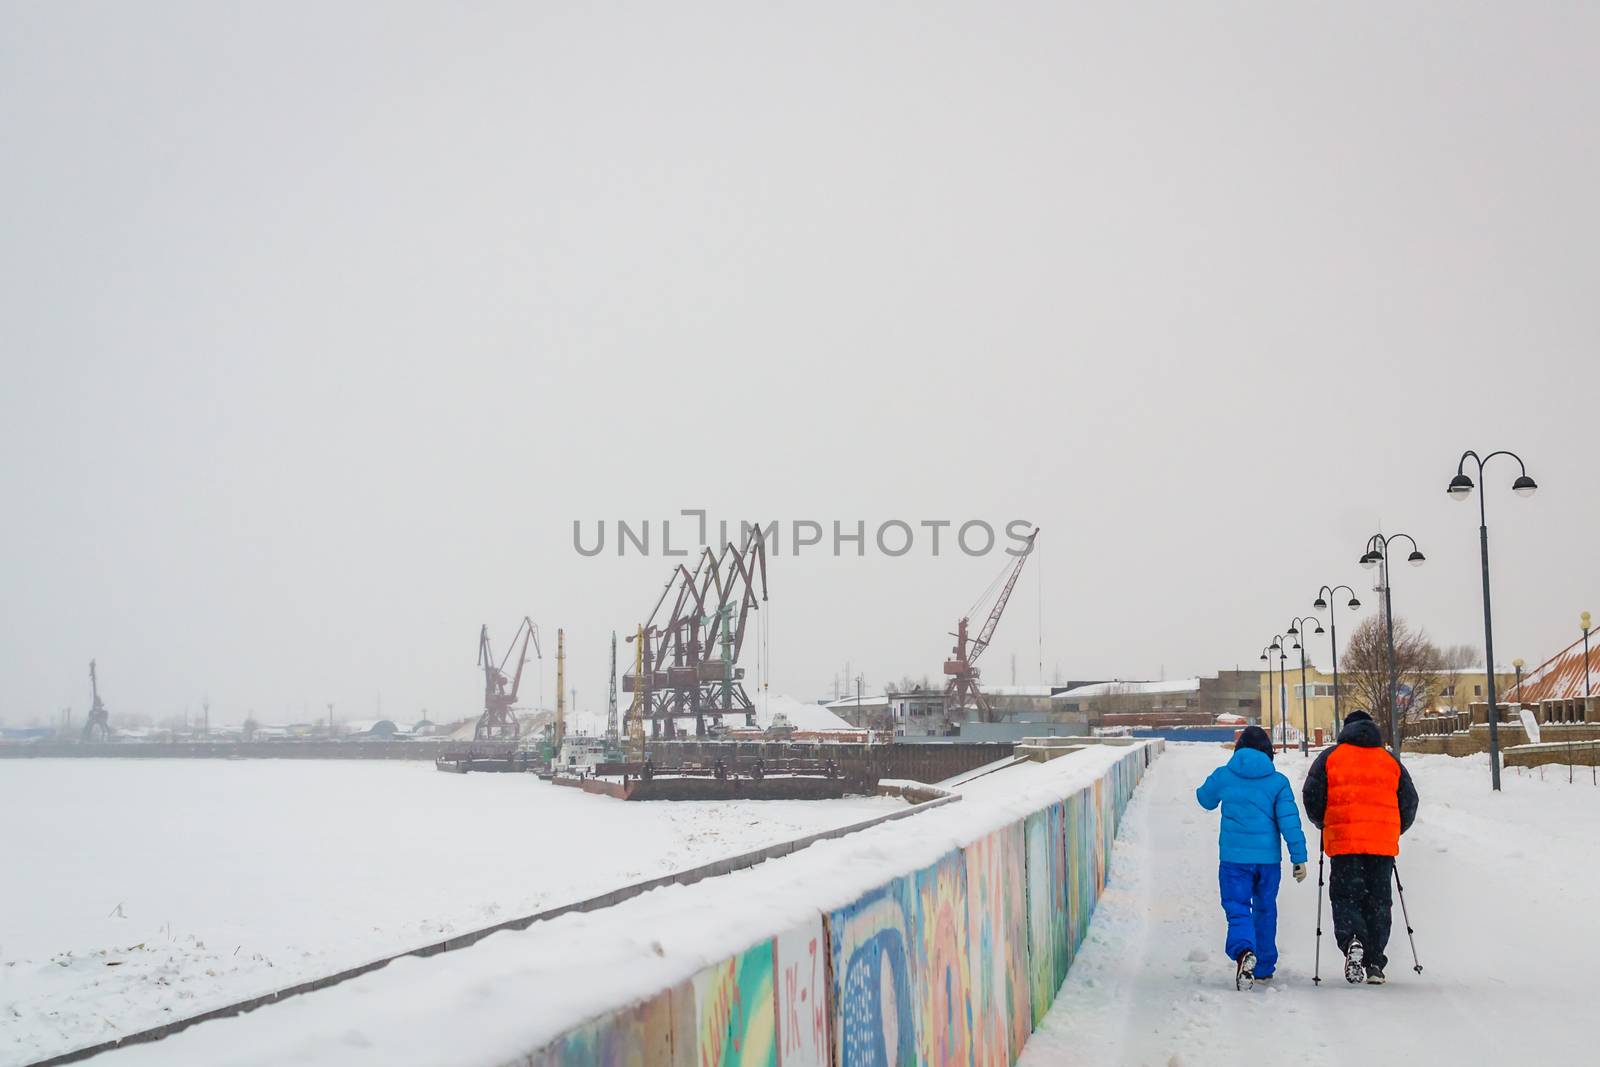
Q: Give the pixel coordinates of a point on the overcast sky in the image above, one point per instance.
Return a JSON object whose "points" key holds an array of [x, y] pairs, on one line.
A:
{"points": [[322, 323]]}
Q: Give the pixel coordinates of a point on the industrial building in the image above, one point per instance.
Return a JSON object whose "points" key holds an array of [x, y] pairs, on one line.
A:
{"points": [[1196, 701]]}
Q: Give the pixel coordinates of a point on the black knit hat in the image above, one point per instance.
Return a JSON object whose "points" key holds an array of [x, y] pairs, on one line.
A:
{"points": [[1357, 716], [1254, 737]]}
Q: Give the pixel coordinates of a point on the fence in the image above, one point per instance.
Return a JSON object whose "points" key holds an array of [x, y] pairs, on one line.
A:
{"points": [[954, 963]]}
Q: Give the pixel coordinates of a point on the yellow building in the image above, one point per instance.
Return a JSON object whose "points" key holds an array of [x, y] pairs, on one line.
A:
{"points": [[1453, 690]]}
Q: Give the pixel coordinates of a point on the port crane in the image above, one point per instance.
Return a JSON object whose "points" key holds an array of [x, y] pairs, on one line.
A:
{"points": [[961, 691], [687, 662], [98, 728], [499, 719]]}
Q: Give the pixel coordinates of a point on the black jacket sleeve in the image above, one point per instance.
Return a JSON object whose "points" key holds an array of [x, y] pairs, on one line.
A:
{"points": [[1314, 793], [1407, 795]]}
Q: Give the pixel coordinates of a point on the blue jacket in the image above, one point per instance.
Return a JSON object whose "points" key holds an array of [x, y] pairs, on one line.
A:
{"points": [[1257, 806]]}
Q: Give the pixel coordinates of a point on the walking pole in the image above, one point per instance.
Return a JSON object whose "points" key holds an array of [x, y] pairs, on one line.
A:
{"points": [[1316, 970], [1410, 933]]}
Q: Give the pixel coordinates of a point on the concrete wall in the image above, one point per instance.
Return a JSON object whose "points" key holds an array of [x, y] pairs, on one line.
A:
{"points": [[955, 963], [1475, 740], [1578, 753]]}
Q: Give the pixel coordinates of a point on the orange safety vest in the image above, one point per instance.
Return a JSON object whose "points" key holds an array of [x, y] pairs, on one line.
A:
{"points": [[1363, 813]]}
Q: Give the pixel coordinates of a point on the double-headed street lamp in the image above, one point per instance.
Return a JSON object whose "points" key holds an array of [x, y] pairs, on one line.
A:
{"points": [[1377, 554], [1267, 659], [1283, 686], [1300, 643], [1459, 489], [1321, 604]]}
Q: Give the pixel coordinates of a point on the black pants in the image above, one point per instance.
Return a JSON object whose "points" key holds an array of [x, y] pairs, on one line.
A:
{"points": [[1359, 892]]}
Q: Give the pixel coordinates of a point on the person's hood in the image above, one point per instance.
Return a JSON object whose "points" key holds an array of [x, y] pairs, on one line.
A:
{"points": [[1257, 738], [1250, 763], [1359, 729]]}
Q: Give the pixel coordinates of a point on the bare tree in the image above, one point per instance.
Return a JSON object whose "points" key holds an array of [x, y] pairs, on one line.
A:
{"points": [[1364, 669], [1460, 657]]}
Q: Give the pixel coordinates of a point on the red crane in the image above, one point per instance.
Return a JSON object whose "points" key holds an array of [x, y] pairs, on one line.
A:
{"points": [[499, 719], [962, 691]]}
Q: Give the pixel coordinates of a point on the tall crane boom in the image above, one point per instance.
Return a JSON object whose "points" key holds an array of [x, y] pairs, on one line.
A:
{"points": [[1000, 603], [962, 691]]}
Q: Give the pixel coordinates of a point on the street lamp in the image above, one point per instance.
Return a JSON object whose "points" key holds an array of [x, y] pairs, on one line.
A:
{"points": [[1583, 621], [1321, 604], [1377, 555], [1305, 719], [1459, 489], [1265, 658], [1283, 685]]}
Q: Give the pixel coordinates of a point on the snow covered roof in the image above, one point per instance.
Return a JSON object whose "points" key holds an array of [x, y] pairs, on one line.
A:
{"points": [[802, 716], [1017, 690], [367, 726], [1100, 689], [1561, 677], [865, 701]]}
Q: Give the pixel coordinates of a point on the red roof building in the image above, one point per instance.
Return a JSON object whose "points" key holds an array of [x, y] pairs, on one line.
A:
{"points": [[1562, 685]]}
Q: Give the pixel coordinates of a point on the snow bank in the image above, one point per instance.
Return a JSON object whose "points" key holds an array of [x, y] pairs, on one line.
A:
{"points": [[669, 975]]}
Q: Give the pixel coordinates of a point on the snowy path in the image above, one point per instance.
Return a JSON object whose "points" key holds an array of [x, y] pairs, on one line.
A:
{"points": [[134, 892], [1503, 894]]}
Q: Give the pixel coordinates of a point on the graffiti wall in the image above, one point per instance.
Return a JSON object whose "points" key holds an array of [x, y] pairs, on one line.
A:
{"points": [[800, 969], [954, 964], [736, 1011], [997, 946]]}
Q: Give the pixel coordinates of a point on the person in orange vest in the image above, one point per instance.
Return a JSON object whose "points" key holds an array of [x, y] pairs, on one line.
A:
{"points": [[1361, 798]]}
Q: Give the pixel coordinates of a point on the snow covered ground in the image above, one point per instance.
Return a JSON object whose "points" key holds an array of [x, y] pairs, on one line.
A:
{"points": [[1503, 891], [511, 993], [137, 891]]}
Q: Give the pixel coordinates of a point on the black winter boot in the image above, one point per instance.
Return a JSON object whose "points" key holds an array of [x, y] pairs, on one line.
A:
{"points": [[1246, 971], [1354, 972]]}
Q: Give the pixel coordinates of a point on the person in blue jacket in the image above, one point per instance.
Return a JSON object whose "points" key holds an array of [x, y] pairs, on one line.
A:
{"points": [[1257, 809]]}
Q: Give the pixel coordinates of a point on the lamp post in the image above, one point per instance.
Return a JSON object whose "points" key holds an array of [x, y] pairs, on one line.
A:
{"points": [[1300, 642], [1459, 489], [1267, 659], [1583, 621], [1320, 604], [1283, 686], [1377, 555]]}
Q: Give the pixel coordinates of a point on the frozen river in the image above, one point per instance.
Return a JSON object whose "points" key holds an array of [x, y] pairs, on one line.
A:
{"points": [[138, 891]]}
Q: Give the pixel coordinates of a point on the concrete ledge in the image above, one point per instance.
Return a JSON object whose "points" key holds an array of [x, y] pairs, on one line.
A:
{"points": [[1578, 753]]}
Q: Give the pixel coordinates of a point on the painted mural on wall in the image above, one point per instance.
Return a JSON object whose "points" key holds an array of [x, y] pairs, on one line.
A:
{"points": [[872, 943], [639, 1035], [736, 1011], [952, 964], [1041, 880], [800, 971], [944, 1019], [997, 946]]}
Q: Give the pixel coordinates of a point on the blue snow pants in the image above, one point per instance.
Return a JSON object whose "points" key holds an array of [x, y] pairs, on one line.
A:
{"points": [[1250, 900]]}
